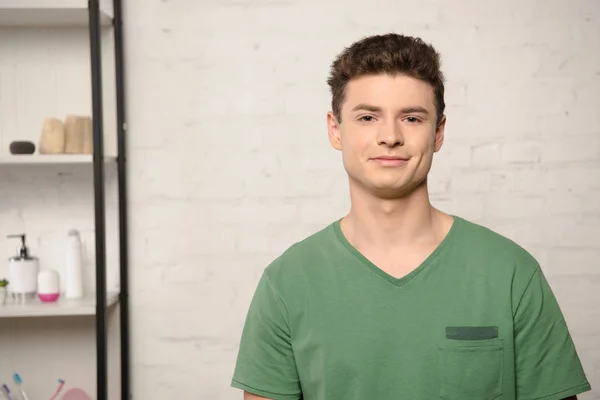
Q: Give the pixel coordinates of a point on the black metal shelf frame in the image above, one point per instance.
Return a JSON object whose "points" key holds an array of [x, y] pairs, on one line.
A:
{"points": [[99, 203]]}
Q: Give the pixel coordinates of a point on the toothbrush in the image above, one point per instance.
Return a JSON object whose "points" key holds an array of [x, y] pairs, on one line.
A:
{"points": [[7, 391], [60, 386], [18, 381]]}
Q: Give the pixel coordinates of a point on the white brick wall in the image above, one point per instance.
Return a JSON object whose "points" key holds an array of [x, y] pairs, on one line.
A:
{"points": [[230, 163]]}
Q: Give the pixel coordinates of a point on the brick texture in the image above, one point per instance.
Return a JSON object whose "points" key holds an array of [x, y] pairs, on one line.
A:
{"points": [[230, 160]]}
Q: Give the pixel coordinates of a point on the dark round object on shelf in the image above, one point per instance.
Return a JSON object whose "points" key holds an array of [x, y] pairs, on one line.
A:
{"points": [[22, 147]]}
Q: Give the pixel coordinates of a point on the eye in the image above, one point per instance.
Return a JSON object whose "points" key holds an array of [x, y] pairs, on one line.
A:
{"points": [[366, 118], [412, 120]]}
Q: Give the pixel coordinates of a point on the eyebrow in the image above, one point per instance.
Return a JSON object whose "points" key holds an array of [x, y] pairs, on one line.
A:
{"points": [[405, 110]]}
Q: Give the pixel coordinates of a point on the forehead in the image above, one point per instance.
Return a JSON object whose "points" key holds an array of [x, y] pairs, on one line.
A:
{"points": [[389, 92]]}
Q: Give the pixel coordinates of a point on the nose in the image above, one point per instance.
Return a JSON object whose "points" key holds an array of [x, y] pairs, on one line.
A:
{"points": [[390, 135]]}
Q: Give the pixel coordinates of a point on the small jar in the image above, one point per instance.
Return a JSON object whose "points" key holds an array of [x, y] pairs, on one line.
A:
{"points": [[48, 285]]}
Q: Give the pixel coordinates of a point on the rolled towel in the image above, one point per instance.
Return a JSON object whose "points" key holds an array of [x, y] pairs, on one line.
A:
{"points": [[52, 138], [74, 134], [88, 136]]}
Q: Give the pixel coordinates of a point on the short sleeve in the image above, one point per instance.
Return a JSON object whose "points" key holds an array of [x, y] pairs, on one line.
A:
{"points": [[265, 364], [547, 365]]}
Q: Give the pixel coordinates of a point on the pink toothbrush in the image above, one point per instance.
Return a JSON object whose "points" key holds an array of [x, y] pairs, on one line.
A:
{"points": [[62, 383]]}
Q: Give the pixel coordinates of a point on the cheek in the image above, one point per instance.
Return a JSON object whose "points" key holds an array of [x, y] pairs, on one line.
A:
{"points": [[424, 163], [422, 141], [355, 144]]}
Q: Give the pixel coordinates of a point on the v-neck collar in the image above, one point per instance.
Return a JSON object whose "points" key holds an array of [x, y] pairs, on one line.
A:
{"points": [[408, 277]]}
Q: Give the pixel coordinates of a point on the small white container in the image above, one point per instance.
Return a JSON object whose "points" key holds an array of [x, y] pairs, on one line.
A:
{"points": [[74, 266], [48, 285]]}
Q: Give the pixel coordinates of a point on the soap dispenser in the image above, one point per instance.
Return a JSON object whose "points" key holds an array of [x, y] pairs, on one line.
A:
{"points": [[23, 272]]}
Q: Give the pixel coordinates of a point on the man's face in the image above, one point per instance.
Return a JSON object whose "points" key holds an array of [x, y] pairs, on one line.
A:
{"points": [[388, 133]]}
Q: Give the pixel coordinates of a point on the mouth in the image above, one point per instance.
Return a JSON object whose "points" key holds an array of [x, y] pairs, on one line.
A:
{"points": [[392, 161]]}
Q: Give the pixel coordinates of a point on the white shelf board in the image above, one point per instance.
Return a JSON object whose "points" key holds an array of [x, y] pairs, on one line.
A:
{"points": [[48, 13], [62, 307], [55, 159]]}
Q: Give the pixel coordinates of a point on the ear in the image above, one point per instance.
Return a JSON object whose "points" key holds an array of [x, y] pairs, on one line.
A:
{"points": [[333, 129], [439, 135]]}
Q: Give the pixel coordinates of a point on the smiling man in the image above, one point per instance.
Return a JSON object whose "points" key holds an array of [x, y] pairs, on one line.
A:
{"points": [[397, 299]]}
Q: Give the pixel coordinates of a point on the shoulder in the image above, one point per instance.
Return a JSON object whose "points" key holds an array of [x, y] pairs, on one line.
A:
{"points": [[481, 242], [292, 274], [495, 258], [301, 254]]}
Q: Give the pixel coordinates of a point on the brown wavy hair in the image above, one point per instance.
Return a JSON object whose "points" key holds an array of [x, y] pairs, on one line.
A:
{"points": [[387, 54]]}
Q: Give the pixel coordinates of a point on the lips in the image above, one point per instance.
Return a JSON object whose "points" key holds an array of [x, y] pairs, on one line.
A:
{"points": [[396, 158], [390, 161]]}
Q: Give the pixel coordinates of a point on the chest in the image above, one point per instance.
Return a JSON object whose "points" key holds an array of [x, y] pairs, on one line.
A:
{"points": [[401, 345]]}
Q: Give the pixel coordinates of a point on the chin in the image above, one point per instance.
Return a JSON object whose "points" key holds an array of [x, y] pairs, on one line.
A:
{"points": [[392, 193], [386, 187], [394, 190], [389, 191]]}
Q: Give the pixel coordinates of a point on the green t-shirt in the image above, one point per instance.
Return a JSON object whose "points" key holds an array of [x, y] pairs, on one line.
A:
{"points": [[476, 320]]}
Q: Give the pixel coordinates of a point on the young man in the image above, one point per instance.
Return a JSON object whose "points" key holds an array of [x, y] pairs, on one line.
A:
{"points": [[399, 300]]}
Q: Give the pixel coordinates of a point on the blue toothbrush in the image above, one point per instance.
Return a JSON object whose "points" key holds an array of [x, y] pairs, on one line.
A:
{"points": [[18, 381]]}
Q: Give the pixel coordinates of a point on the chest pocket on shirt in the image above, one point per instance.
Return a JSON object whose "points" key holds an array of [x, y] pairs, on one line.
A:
{"points": [[471, 369]]}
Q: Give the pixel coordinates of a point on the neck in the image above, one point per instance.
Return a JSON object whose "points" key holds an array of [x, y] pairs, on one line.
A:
{"points": [[392, 223]]}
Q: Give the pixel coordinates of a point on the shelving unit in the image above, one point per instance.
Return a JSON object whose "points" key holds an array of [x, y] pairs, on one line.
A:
{"points": [[51, 159], [61, 308], [49, 13], [91, 17]]}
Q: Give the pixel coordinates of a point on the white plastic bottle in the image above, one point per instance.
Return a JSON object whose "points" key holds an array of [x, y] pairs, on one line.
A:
{"points": [[74, 267]]}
